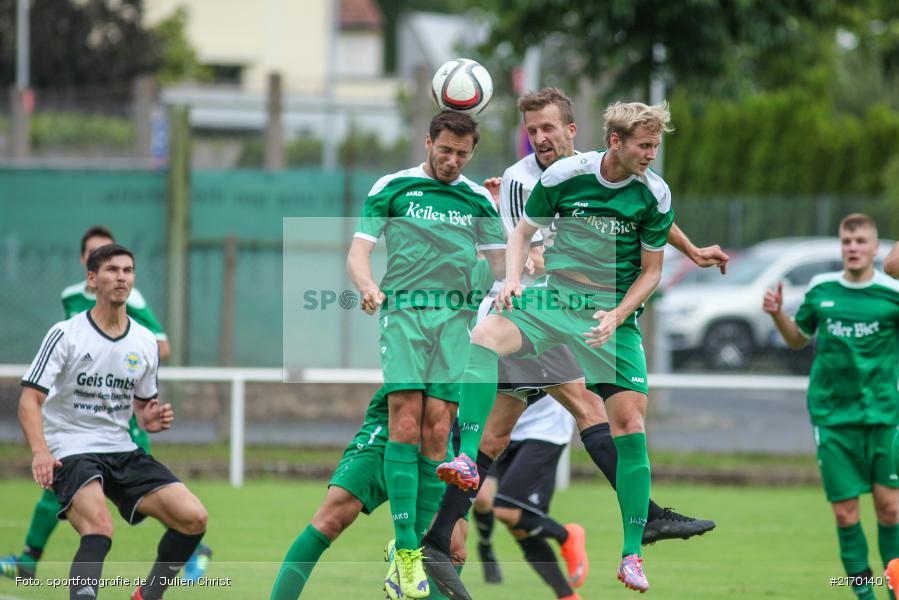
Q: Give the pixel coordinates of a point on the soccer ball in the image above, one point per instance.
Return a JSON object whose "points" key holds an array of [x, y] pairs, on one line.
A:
{"points": [[462, 85]]}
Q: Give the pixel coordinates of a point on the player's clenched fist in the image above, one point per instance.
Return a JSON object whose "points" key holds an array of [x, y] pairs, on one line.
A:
{"points": [[774, 299], [372, 300], [158, 417]]}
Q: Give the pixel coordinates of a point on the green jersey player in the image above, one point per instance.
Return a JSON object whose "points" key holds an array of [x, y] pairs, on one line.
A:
{"points": [[613, 217], [358, 486], [853, 399], [434, 220]]}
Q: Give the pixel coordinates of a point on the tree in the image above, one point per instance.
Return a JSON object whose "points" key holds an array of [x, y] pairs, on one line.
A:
{"points": [[178, 59], [80, 42], [703, 40]]}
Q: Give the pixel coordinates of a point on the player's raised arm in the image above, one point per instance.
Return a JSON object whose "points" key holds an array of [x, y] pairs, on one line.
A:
{"points": [[517, 251], [637, 294], [358, 265], [773, 305], [708, 256], [42, 462], [891, 264], [497, 261]]}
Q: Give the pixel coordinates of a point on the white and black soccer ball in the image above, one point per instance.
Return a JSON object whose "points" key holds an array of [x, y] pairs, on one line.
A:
{"points": [[462, 85]]}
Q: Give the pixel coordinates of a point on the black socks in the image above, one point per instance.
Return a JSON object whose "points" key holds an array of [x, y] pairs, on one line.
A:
{"points": [[87, 566]]}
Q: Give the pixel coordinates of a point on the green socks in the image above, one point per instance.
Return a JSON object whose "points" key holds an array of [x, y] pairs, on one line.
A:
{"points": [[43, 522], [854, 554], [298, 564], [401, 477], [888, 542], [895, 455], [477, 396], [632, 477], [430, 493]]}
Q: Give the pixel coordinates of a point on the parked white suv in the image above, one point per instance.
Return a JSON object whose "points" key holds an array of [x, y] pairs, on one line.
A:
{"points": [[721, 317]]}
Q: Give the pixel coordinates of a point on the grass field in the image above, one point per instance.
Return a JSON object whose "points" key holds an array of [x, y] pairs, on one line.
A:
{"points": [[770, 543]]}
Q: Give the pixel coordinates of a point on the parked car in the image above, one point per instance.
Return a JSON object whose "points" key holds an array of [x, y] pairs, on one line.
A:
{"points": [[677, 268], [721, 318]]}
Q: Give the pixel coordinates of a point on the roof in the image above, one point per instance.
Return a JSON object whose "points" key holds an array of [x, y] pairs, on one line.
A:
{"points": [[360, 15]]}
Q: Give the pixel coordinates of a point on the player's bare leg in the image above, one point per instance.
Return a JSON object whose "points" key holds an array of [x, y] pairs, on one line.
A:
{"points": [[90, 517]]}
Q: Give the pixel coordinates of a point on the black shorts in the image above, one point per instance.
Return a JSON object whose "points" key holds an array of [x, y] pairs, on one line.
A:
{"points": [[526, 473], [126, 478], [525, 377]]}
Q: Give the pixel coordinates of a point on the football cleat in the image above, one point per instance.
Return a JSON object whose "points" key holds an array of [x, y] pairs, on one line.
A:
{"points": [[574, 551], [198, 563], [630, 573], [462, 472], [413, 581], [671, 525]]}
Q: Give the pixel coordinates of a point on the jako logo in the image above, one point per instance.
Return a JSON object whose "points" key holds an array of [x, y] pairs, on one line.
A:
{"points": [[636, 521], [401, 516], [470, 427], [415, 193], [322, 299]]}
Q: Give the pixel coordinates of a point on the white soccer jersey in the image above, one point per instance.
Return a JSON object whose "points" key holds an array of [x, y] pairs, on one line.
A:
{"points": [[518, 181], [545, 420], [90, 380], [517, 184]]}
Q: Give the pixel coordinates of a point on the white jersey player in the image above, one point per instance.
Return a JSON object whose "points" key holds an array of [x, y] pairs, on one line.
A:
{"points": [[91, 380], [78, 395]]}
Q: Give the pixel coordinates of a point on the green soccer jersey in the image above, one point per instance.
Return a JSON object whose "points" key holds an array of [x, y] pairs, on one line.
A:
{"points": [[76, 299], [433, 231], [855, 376], [602, 226], [481, 283]]}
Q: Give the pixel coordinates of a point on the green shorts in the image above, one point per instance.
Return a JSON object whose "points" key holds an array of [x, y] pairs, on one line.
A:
{"points": [[556, 311], [361, 469], [852, 458], [425, 349]]}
